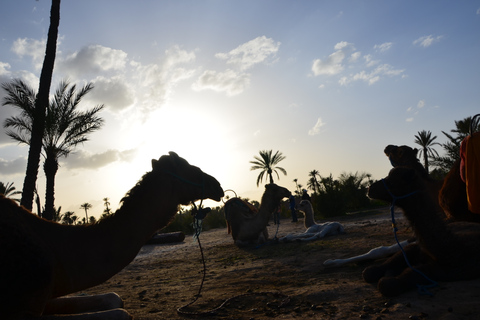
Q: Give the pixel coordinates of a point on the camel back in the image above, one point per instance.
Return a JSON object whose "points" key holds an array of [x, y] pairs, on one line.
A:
{"points": [[244, 206]]}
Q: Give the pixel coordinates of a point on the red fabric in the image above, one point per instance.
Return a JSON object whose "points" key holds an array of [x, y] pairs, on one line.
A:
{"points": [[472, 171]]}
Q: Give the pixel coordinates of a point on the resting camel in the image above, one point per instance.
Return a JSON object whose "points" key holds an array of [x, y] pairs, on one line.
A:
{"points": [[314, 230], [443, 252], [42, 261], [247, 226], [451, 191], [451, 194]]}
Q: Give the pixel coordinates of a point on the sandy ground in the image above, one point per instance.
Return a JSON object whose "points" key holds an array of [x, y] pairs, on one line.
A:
{"points": [[280, 281]]}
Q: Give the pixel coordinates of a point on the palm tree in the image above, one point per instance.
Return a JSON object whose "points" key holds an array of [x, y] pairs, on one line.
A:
{"points": [[41, 103], [8, 190], [314, 185], [65, 126], [452, 146], [268, 164], [69, 217], [86, 206], [426, 141], [107, 210]]}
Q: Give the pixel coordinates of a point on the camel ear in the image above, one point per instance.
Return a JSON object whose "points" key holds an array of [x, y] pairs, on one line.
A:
{"points": [[154, 163], [389, 149], [415, 151]]}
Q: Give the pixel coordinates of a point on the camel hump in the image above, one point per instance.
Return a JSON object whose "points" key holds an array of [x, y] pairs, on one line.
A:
{"points": [[244, 207]]}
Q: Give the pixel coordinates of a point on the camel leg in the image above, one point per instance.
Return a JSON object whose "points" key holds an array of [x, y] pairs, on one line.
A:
{"points": [[83, 304], [375, 253], [408, 279], [394, 265]]}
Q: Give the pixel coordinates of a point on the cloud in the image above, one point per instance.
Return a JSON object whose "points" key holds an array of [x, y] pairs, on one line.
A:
{"points": [[336, 64], [113, 92], [93, 59], [383, 47], [332, 65], [427, 41], [235, 80], [372, 76], [155, 82], [421, 104], [316, 128], [13, 167], [32, 48], [230, 82], [251, 53], [85, 160]]}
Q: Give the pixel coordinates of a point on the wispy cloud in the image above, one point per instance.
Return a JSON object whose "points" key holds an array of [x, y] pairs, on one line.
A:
{"points": [[235, 80], [427, 41], [31, 48], [371, 71], [316, 128], [86, 160], [13, 167], [383, 47], [229, 81], [251, 53]]}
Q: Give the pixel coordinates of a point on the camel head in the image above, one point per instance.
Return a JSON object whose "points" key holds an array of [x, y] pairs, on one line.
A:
{"points": [[400, 183], [304, 205], [401, 155], [276, 192], [195, 183]]}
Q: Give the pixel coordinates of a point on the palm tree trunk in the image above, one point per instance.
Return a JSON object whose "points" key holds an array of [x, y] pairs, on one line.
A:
{"points": [[50, 167], [425, 159], [40, 107]]}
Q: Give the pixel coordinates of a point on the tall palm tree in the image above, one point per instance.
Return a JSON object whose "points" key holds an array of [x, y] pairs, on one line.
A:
{"points": [[107, 210], [313, 180], [426, 141], [8, 190], [65, 126], [86, 206], [41, 103], [268, 164]]}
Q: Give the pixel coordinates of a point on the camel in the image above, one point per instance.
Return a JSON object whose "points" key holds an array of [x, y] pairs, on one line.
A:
{"points": [[43, 261], [247, 226], [443, 251], [314, 230], [451, 191]]}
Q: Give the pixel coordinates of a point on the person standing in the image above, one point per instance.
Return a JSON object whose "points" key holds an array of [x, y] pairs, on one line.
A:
{"points": [[292, 208]]}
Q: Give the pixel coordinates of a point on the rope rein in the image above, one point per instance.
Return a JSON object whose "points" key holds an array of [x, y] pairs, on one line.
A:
{"points": [[422, 289], [198, 215]]}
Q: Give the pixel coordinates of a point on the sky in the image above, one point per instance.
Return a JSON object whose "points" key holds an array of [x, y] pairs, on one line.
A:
{"points": [[327, 83]]}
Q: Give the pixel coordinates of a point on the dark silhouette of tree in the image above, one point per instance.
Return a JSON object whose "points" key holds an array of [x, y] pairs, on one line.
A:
{"points": [[313, 183], [107, 210], [425, 140], [65, 126], [8, 190], [268, 164], [41, 104], [452, 146], [86, 206]]}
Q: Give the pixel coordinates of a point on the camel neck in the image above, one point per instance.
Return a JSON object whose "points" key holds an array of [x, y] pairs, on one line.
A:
{"points": [[101, 250], [429, 227]]}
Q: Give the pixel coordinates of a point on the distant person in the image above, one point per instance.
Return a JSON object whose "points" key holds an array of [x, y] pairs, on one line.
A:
{"points": [[305, 196], [276, 215], [292, 208]]}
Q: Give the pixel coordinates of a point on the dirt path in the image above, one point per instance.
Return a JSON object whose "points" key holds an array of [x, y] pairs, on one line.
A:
{"points": [[280, 281]]}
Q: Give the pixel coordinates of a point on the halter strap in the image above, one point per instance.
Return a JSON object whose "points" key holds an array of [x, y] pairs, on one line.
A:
{"points": [[422, 289]]}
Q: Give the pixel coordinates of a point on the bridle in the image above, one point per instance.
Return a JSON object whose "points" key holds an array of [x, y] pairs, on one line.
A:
{"points": [[422, 289]]}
